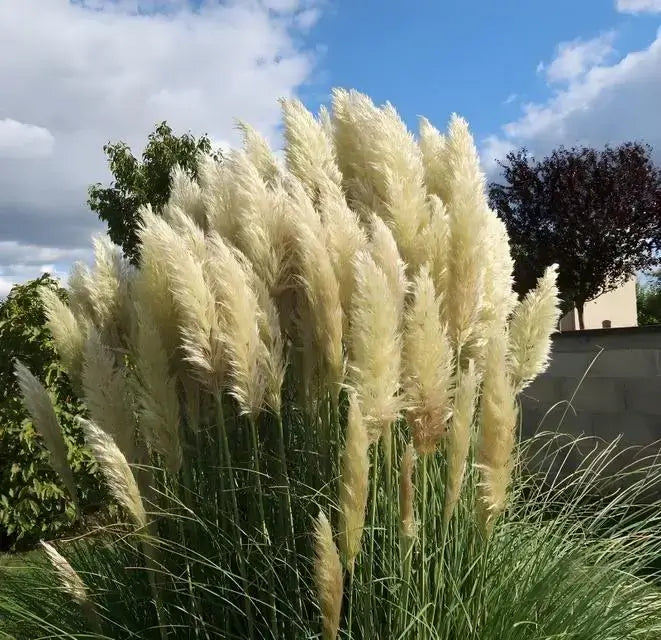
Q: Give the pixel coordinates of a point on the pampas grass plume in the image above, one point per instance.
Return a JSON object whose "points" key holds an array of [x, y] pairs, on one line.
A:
{"points": [[40, 407], [428, 366], [354, 484], [328, 577], [459, 436], [116, 471], [375, 346], [534, 320], [495, 449]]}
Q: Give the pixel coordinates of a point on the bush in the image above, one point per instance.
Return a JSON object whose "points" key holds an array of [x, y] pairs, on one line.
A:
{"points": [[304, 398], [33, 502]]}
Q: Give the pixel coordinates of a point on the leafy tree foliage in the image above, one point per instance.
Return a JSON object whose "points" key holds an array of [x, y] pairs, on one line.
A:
{"points": [[139, 182], [596, 213], [648, 300], [33, 502]]}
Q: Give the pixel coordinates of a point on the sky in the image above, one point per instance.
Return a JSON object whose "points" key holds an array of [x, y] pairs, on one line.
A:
{"points": [[75, 74]]}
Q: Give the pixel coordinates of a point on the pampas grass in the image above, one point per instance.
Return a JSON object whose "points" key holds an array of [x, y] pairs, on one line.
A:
{"points": [[328, 577], [39, 406], [116, 471], [330, 349]]}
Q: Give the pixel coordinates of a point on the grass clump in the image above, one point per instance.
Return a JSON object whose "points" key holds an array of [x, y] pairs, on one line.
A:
{"points": [[304, 398]]}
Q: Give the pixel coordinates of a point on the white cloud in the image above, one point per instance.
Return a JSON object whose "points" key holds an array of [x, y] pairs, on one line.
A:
{"points": [[512, 97], [574, 58], [638, 6], [21, 140], [76, 74], [605, 104]]}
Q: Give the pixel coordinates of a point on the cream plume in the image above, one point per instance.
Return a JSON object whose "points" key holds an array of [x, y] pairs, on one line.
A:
{"points": [[156, 392], [115, 470], [428, 367], [328, 577], [534, 320], [375, 345], [107, 394], [238, 311], [498, 413], [459, 436], [354, 484], [40, 407]]}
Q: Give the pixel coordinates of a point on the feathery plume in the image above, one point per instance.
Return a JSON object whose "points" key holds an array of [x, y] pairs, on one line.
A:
{"points": [[434, 239], [260, 154], [375, 346], [264, 233], [499, 297], [534, 320], [494, 456], [386, 255], [344, 238], [268, 322], [107, 394], [309, 152], [238, 311], [68, 333], [79, 283], [407, 494], [384, 163], [109, 291], [354, 485], [326, 122], [428, 366], [467, 206], [198, 321], [317, 278], [186, 194], [116, 471], [156, 392], [433, 145], [216, 182], [459, 436], [328, 577], [70, 581], [40, 407], [187, 229]]}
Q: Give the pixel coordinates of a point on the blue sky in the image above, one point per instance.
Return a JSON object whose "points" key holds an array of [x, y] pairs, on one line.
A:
{"points": [[457, 55], [478, 58], [75, 74]]}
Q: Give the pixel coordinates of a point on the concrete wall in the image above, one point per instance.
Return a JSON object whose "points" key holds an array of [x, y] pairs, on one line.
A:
{"points": [[618, 307], [619, 395]]}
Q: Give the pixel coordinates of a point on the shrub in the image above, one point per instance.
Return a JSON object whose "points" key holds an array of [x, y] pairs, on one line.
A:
{"points": [[33, 502], [304, 399]]}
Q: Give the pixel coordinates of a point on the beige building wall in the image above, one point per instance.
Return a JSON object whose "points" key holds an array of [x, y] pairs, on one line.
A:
{"points": [[617, 307]]}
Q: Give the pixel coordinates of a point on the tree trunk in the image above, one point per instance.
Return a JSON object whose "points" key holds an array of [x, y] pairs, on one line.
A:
{"points": [[579, 310]]}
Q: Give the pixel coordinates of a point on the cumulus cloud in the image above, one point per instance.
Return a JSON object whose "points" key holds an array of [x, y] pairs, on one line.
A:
{"points": [[603, 104], [574, 58], [20, 140], [638, 6], [78, 73]]}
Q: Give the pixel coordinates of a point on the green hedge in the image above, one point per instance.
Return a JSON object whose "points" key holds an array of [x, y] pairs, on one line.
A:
{"points": [[33, 502]]}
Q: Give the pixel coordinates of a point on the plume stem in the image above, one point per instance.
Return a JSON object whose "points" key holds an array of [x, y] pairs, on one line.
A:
{"points": [[262, 515], [370, 566], [226, 458]]}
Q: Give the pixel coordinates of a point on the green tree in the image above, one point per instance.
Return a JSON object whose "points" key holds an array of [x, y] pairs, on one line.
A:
{"points": [[139, 182], [648, 300], [33, 501]]}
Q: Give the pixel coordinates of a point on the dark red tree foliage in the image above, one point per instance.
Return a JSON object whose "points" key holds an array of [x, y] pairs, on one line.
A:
{"points": [[594, 212]]}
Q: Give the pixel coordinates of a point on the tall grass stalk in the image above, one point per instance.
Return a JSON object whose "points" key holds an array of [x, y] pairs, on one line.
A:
{"points": [[285, 326]]}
